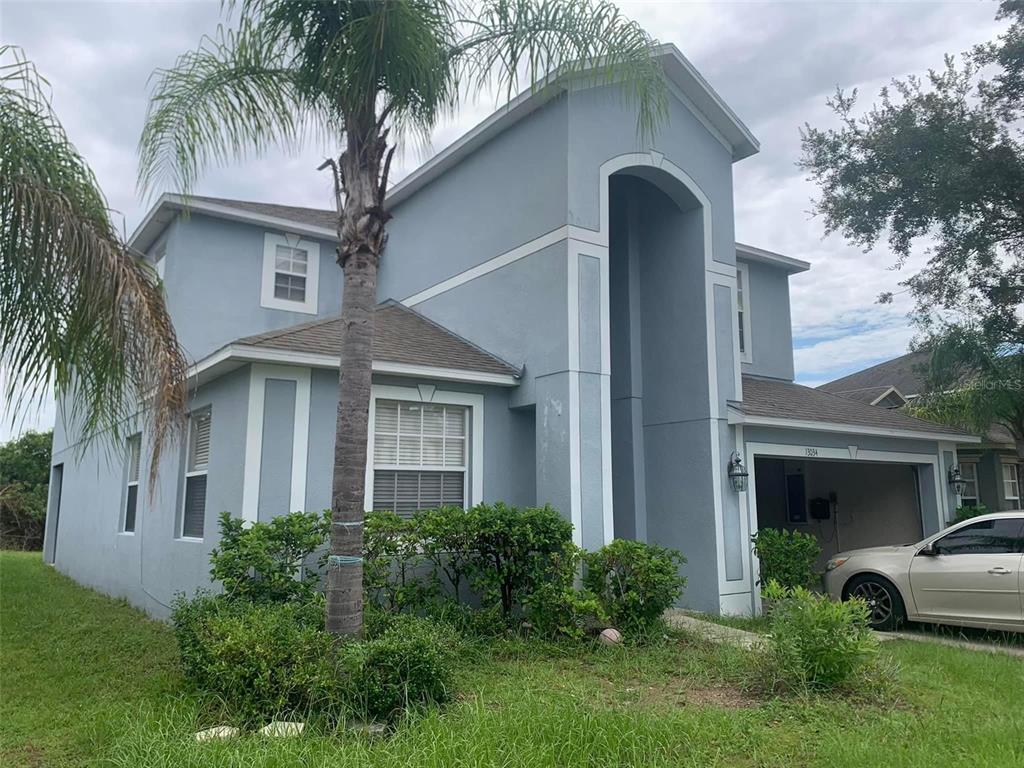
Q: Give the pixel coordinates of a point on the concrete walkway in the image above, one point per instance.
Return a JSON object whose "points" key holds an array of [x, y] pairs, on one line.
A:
{"points": [[717, 633], [952, 642]]}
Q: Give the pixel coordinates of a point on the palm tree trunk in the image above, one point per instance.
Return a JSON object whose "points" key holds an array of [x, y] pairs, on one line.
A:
{"points": [[360, 177]]}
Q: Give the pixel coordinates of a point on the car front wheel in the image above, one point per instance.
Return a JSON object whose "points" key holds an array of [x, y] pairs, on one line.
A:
{"points": [[883, 600]]}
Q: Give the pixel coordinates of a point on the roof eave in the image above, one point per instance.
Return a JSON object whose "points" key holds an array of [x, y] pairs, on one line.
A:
{"points": [[760, 255], [857, 429], [232, 356]]}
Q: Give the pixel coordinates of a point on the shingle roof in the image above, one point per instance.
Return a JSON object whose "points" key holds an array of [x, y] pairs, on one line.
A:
{"points": [[906, 373], [781, 399], [401, 335], [317, 217]]}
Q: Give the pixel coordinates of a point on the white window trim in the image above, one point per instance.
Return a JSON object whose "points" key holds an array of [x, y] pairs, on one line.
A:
{"points": [[428, 393], [186, 475], [1006, 463], [128, 484], [267, 298], [743, 274], [973, 481]]}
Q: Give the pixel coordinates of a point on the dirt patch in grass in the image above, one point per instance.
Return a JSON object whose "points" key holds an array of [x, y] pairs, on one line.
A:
{"points": [[673, 692], [726, 697]]}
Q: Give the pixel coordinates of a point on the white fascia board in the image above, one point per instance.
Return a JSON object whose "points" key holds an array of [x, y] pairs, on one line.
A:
{"points": [[752, 253], [889, 391], [854, 429], [231, 356], [152, 224]]}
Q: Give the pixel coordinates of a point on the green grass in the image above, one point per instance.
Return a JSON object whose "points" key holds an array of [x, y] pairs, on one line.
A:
{"points": [[88, 681]]}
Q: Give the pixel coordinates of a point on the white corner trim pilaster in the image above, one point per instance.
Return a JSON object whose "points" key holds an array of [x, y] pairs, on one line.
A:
{"points": [[258, 376], [421, 394]]}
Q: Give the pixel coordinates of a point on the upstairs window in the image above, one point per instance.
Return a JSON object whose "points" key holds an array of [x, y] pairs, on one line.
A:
{"points": [[743, 311], [419, 456], [197, 460], [132, 489], [291, 268]]}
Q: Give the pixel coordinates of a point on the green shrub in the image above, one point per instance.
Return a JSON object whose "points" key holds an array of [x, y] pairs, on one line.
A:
{"points": [[266, 562], [787, 557], [635, 582], [446, 540], [555, 608], [511, 551], [817, 643], [407, 664], [967, 511], [393, 563], [261, 661]]}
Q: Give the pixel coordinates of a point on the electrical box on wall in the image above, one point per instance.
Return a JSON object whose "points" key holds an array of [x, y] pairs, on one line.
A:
{"points": [[820, 509]]}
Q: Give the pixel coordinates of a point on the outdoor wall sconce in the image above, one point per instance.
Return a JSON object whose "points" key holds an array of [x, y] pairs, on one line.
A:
{"points": [[956, 481], [737, 473]]}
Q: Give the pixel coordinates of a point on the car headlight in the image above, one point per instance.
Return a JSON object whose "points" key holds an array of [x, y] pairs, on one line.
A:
{"points": [[835, 562]]}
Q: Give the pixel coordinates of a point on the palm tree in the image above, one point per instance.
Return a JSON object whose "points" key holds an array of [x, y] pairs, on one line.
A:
{"points": [[365, 74], [80, 313]]}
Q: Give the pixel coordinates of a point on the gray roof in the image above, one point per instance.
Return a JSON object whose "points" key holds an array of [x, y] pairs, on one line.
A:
{"points": [[401, 335], [785, 400], [906, 373], [316, 217]]}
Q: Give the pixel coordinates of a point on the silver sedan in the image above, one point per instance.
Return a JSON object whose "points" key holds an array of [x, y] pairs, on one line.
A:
{"points": [[971, 574]]}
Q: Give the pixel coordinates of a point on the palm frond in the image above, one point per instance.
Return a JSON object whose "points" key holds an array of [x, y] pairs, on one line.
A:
{"points": [[79, 312], [235, 96], [542, 41]]}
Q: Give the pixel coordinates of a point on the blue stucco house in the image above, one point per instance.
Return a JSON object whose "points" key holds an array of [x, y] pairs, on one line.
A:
{"points": [[565, 318]]}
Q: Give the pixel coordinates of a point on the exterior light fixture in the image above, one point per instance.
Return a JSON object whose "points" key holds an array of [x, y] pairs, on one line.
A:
{"points": [[956, 481], [737, 473]]}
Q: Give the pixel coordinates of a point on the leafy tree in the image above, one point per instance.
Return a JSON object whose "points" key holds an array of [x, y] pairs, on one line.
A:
{"points": [[80, 313], [941, 159], [364, 74], [24, 479]]}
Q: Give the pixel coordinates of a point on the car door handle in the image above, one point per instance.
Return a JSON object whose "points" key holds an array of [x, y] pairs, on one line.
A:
{"points": [[1000, 570]]}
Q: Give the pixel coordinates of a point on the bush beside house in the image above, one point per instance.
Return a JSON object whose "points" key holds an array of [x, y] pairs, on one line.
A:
{"points": [[24, 485], [786, 557]]}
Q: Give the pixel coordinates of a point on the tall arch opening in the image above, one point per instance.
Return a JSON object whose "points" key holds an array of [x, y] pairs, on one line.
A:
{"points": [[658, 345]]}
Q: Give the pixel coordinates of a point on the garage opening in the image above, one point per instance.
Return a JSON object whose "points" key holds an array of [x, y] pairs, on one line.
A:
{"points": [[843, 504]]}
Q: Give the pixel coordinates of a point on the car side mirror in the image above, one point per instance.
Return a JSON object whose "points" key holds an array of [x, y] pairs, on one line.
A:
{"points": [[930, 551]]}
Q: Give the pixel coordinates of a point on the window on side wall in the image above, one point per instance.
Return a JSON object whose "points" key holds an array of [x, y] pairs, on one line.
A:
{"points": [[291, 269], [420, 456], [132, 490], [1011, 482], [197, 460], [969, 474], [743, 311]]}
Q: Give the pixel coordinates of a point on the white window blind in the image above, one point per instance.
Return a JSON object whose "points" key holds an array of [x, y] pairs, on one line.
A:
{"points": [[969, 474], [419, 456], [1011, 482], [132, 491], [197, 460], [290, 267]]}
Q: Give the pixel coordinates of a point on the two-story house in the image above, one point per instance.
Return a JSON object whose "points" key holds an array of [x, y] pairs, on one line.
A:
{"points": [[565, 318]]}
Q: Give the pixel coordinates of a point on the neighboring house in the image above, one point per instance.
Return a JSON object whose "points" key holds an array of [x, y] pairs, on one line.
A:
{"points": [[991, 468], [566, 319]]}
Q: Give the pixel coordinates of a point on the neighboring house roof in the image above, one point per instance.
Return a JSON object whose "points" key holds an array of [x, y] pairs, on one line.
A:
{"points": [[405, 343], [771, 402], [906, 373], [888, 397]]}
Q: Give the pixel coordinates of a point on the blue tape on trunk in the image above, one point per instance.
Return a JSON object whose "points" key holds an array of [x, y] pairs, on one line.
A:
{"points": [[334, 560]]}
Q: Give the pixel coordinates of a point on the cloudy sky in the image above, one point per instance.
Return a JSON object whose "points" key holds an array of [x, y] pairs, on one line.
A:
{"points": [[775, 63]]}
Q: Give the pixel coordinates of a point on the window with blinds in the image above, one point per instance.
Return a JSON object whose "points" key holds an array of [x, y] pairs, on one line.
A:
{"points": [[197, 458], [132, 492], [419, 456], [742, 311], [969, 474]]}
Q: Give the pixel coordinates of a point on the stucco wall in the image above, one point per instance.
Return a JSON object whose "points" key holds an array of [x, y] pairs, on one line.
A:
{"points": [[771, 329]]}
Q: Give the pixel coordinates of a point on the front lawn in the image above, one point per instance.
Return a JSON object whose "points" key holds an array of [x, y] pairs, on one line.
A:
{"points": [[88, 681]]}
